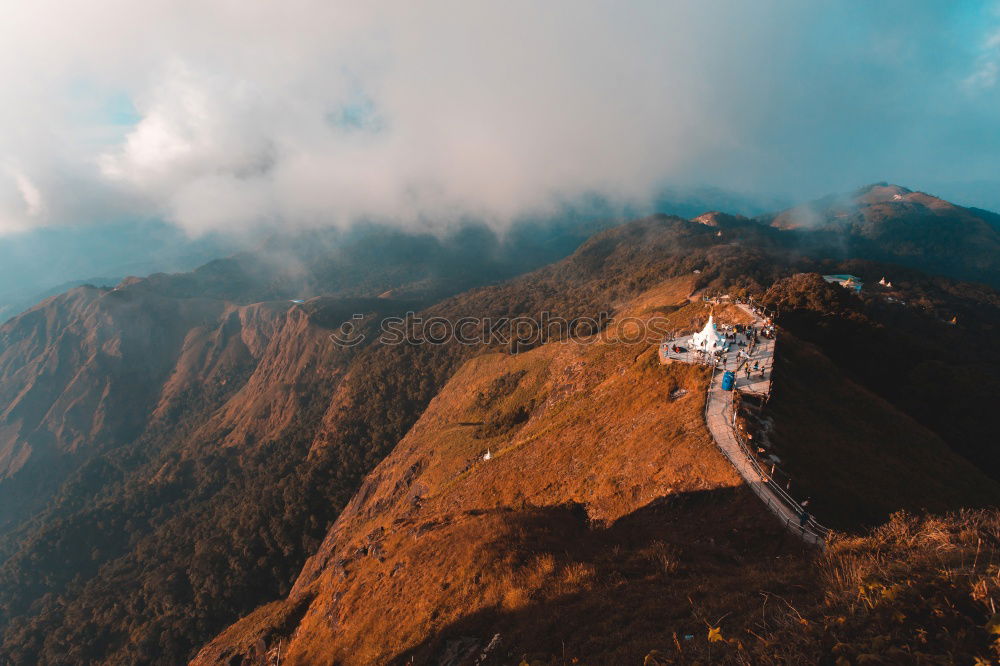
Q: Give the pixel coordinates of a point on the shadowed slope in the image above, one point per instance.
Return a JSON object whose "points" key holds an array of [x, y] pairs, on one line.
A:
{"points": [[855, 454]]}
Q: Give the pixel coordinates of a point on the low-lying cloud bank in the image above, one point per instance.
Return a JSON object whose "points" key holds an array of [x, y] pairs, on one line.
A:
{"points": [[222, 115]]}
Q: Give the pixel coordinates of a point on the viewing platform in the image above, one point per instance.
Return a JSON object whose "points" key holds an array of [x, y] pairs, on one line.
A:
{"points": [[747, 352]]}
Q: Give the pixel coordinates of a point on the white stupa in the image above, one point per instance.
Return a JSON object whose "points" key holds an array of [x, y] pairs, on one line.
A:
{"points": [[708, 339]]}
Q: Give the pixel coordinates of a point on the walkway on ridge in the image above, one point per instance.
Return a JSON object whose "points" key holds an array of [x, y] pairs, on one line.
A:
{"points": [[719, 419]]}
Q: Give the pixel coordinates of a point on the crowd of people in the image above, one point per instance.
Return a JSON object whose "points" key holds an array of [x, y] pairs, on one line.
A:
{"points": [[743, 338]]}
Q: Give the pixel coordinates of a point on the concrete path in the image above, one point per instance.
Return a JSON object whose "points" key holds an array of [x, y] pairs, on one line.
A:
{"points": [[719, 418]]}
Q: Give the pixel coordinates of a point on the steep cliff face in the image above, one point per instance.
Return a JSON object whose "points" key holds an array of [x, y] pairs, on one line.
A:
{"points": [[92, 369]]}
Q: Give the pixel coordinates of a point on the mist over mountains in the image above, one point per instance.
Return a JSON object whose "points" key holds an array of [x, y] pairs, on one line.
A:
{"points": [[494, 333], [41, 263], [196, 444]]}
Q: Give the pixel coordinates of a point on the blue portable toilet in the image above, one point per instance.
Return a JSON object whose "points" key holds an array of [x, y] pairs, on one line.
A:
{"points": [[728, 379]]}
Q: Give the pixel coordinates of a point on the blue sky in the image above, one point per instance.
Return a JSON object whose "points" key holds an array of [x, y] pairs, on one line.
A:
{"points": [[119, 110], [220, 116]]}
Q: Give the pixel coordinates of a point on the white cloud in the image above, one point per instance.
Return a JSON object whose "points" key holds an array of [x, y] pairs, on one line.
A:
{"points": [[985, 75], [321, 112], [32, 197], [986, 66]]}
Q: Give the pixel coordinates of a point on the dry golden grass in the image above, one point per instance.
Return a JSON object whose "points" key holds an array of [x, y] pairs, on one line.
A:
{"points": [[664, 297], [605, 529], [585, 438], [663, 555], [270, 624], [548, 582], [917, 590]]}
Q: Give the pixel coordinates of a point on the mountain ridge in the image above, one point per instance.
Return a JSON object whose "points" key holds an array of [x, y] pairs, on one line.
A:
{"points": [[258, 430]]}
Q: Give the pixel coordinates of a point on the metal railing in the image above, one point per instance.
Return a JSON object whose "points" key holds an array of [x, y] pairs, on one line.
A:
{"points": [[812, 527], [708, 392], [774, 495], [779, 502]]}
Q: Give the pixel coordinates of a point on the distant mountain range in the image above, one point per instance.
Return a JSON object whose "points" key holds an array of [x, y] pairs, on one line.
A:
{"points": [[42, 262], [18, 304], [892, 223], [192, 468]]}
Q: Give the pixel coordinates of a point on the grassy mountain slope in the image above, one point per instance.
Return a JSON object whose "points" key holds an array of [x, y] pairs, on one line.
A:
{"points": [[606, 526], [198, 520], [603, 501], [188, 475]]}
